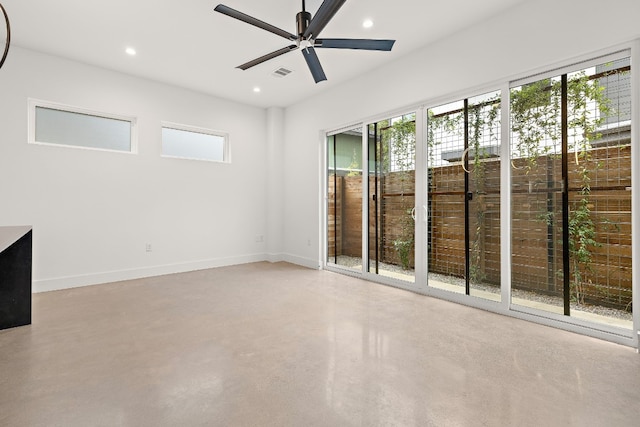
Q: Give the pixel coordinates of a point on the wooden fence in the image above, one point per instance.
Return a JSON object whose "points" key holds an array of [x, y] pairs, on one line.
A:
{"points": [[536, 223]]}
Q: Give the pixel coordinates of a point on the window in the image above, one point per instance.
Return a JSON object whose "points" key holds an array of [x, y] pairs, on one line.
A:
{"points": [[74, 127], [463, 188], [187, 142], [517, 200], [571, 200]]}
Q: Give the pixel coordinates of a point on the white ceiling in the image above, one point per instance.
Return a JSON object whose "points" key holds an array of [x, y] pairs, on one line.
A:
{"points": [[186, 43]]}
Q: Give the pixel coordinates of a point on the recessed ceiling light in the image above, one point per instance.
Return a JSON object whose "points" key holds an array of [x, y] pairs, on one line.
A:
{"points": [[130, 51], [367, 23], [256, 89]]}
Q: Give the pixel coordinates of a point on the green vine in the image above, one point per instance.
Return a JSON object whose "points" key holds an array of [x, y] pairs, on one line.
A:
{"points": [[535, 119], [535, 109], [399, 140], [483, 119]]}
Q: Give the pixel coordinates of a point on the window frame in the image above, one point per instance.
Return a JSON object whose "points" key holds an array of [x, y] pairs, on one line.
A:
{"points": [[226, 151], [33, 104]]}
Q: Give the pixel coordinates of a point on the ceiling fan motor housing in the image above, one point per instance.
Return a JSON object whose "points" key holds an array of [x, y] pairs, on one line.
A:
{"points": [[302, 21]]}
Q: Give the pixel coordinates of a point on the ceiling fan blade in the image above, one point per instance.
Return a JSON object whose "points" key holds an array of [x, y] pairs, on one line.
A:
{"points": [[365, 44], [327, 9], [314, 64], [267, 57], [226, 10]]}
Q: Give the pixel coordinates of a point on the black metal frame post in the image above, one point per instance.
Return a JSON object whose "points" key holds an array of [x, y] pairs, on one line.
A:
{"points": [[465, 160], [565, 197], [377, 146], [335, 203]]}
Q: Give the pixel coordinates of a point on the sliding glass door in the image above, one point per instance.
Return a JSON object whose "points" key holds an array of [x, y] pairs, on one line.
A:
{"points": [[371, 186], [571, 193], [463, 151], [344, 199], [516, 200], [391, 151]]}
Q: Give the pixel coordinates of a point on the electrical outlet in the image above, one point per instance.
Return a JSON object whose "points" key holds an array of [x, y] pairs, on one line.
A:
{"points": [[148, 247], [259, 238]]}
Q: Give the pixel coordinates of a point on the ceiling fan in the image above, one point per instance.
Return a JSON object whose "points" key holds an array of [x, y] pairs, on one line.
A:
{"points": [[308, 30], [7, 36]]}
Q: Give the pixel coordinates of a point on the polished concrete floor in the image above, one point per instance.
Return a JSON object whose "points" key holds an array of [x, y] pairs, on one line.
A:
{"points": [[278, 345]]}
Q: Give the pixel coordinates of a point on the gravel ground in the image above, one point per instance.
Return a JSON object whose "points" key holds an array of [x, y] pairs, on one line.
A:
{"points": [[517, 293]]}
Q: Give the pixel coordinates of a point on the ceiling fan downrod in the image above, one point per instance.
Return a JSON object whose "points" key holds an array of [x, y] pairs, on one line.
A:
{"points": [[302, 22]]}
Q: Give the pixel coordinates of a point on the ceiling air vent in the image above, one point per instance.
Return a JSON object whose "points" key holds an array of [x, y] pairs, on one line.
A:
{"points": [[281, 72]]}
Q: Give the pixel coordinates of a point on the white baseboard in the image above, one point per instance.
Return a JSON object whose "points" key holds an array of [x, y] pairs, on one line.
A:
{"points": [[301, 261], [275, 257], [45, 285]]}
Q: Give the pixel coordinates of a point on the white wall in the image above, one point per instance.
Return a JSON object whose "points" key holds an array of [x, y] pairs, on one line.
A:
{"points": [[529, 37], [93, 212], [275, 183]]}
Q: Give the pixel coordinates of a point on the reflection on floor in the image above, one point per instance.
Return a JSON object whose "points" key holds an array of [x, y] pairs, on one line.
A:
{"points": [[384, 269], [611, 317], [537, 305], [280, 345]]}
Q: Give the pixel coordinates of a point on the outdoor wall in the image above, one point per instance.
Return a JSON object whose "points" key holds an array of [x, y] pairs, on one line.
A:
{"points": [[396, 192], [93, 212], [608, 281], [537, 243], [530, 37]]}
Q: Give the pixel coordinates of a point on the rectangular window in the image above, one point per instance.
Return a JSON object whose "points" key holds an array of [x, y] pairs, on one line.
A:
{"points": [[186, 142], [73, 127]]}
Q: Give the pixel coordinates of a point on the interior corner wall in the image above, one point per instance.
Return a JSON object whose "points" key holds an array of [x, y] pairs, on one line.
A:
{"points": [[524, 39], [275, 183], [94, 212]]}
